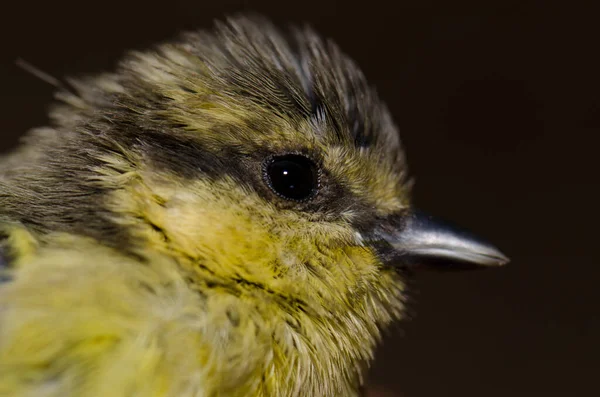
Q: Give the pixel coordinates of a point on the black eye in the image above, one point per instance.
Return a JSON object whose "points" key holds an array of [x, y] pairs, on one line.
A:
{"points": [[292, 176]]}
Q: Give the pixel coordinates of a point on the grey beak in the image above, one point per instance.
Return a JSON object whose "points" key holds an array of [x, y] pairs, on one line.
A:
{"points": [[419, 239]]}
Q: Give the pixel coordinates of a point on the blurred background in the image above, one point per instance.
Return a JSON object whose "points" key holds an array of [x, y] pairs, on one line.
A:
{"points": [[499, 110]]}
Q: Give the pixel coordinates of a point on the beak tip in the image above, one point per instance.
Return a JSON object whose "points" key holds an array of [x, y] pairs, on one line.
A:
{"points": [[502, 260], [490, 256], [484, 256]]}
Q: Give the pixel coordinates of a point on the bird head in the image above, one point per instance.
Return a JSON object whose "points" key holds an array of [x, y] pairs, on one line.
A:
{"points": [[263, 162]]}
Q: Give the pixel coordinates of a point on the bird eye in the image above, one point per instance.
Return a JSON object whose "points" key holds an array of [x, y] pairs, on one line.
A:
{"points": [[292, 176]]}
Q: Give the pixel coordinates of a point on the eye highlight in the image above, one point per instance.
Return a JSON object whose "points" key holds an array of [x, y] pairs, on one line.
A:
{"points": [[292, 176]]}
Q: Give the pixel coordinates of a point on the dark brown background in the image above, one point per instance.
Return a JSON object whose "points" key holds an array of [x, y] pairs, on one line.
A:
{"points": [[499, 110]]}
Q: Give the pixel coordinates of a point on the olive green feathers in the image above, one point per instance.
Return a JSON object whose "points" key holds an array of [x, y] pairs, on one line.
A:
{"points": [[226, 214]]}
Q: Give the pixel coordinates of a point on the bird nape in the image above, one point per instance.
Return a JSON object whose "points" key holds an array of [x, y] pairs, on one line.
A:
{"points": [[226, 214]]}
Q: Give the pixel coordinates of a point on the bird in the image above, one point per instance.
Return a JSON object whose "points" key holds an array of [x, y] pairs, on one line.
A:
{"points": [[224, 214]]}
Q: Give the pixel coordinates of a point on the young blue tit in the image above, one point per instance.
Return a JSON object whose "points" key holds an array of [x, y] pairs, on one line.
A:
{"points": [[227, 214]]}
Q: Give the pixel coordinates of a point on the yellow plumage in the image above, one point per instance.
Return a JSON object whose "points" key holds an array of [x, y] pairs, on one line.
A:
{"points": [[82, 319], [150, 250]]}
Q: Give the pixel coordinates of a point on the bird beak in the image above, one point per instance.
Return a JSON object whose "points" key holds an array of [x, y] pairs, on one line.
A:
{"points": [[418, 239]]}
